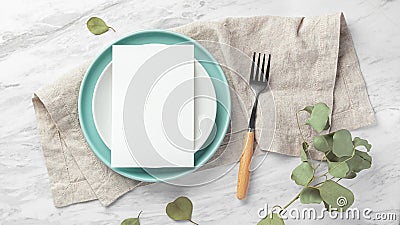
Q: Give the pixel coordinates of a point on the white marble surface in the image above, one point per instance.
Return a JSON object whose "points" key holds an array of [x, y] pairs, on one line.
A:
{"points": [[42, 39]]}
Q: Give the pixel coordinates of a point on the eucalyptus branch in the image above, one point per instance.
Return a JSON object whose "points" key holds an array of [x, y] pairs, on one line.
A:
{"points": [[344, 161]]}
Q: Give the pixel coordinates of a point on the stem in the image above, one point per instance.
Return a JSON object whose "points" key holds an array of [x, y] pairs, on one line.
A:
{"points": [[298, 125], [139, 214], [291, 201], [323, 175], [326, 180], [112, 29], [319, 183], [324, 157], [193, 222], [302, 137]]}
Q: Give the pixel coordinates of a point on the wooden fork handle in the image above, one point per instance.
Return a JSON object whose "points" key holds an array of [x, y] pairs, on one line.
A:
{"points": [[244, 168]]}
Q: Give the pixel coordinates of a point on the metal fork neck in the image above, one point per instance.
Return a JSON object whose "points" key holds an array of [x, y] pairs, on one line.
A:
{"points": [[252, 121]]}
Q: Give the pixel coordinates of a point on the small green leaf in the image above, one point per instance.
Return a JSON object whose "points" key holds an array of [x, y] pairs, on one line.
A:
{"points": [[132, 221], [305, 145], [336, 196], [97, 26], [327, 125], [319, 117], [327, 206], [350, 175], [362, 142], [342, 143], [310, 196], [180, 209], [303, 156], [303, 174], [360, 161], [338, 169], [330, 157], [323, 143], [309, 109], [304, 151], [271, 219], [333, 158]]}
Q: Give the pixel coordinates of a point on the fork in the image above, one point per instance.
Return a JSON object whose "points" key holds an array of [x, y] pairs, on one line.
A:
{"points": [[258, 83]]}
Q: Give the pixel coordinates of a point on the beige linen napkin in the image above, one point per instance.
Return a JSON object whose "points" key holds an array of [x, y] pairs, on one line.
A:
{"points": [[313, 60]]}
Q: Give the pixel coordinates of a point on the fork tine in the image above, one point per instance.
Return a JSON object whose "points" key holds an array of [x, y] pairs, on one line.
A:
{"points": [[252, 66], [257, 77], [262, 69], [268, 66]]}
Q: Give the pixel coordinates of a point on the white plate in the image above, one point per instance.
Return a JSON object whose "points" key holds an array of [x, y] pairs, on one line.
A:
{"points": [[205, 108]]}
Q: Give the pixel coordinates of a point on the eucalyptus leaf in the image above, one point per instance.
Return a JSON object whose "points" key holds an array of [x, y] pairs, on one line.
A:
{"points": [[132, 221], [310, 195], [362, 142], [303, 174], [360, 161], [342, 143], [319, 117], [338, 169], [97, 26], [327, 206], [271, 219], [350, 175], [323, 143], [327, 125], [330, 157], [333, 158], [304, 151], [309, 108], [305, 145], [303, 156], [180, 209], [336, 196]]}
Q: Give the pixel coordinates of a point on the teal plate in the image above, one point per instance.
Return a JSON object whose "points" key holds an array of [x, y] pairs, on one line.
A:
{"points": [[154, 37]]}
